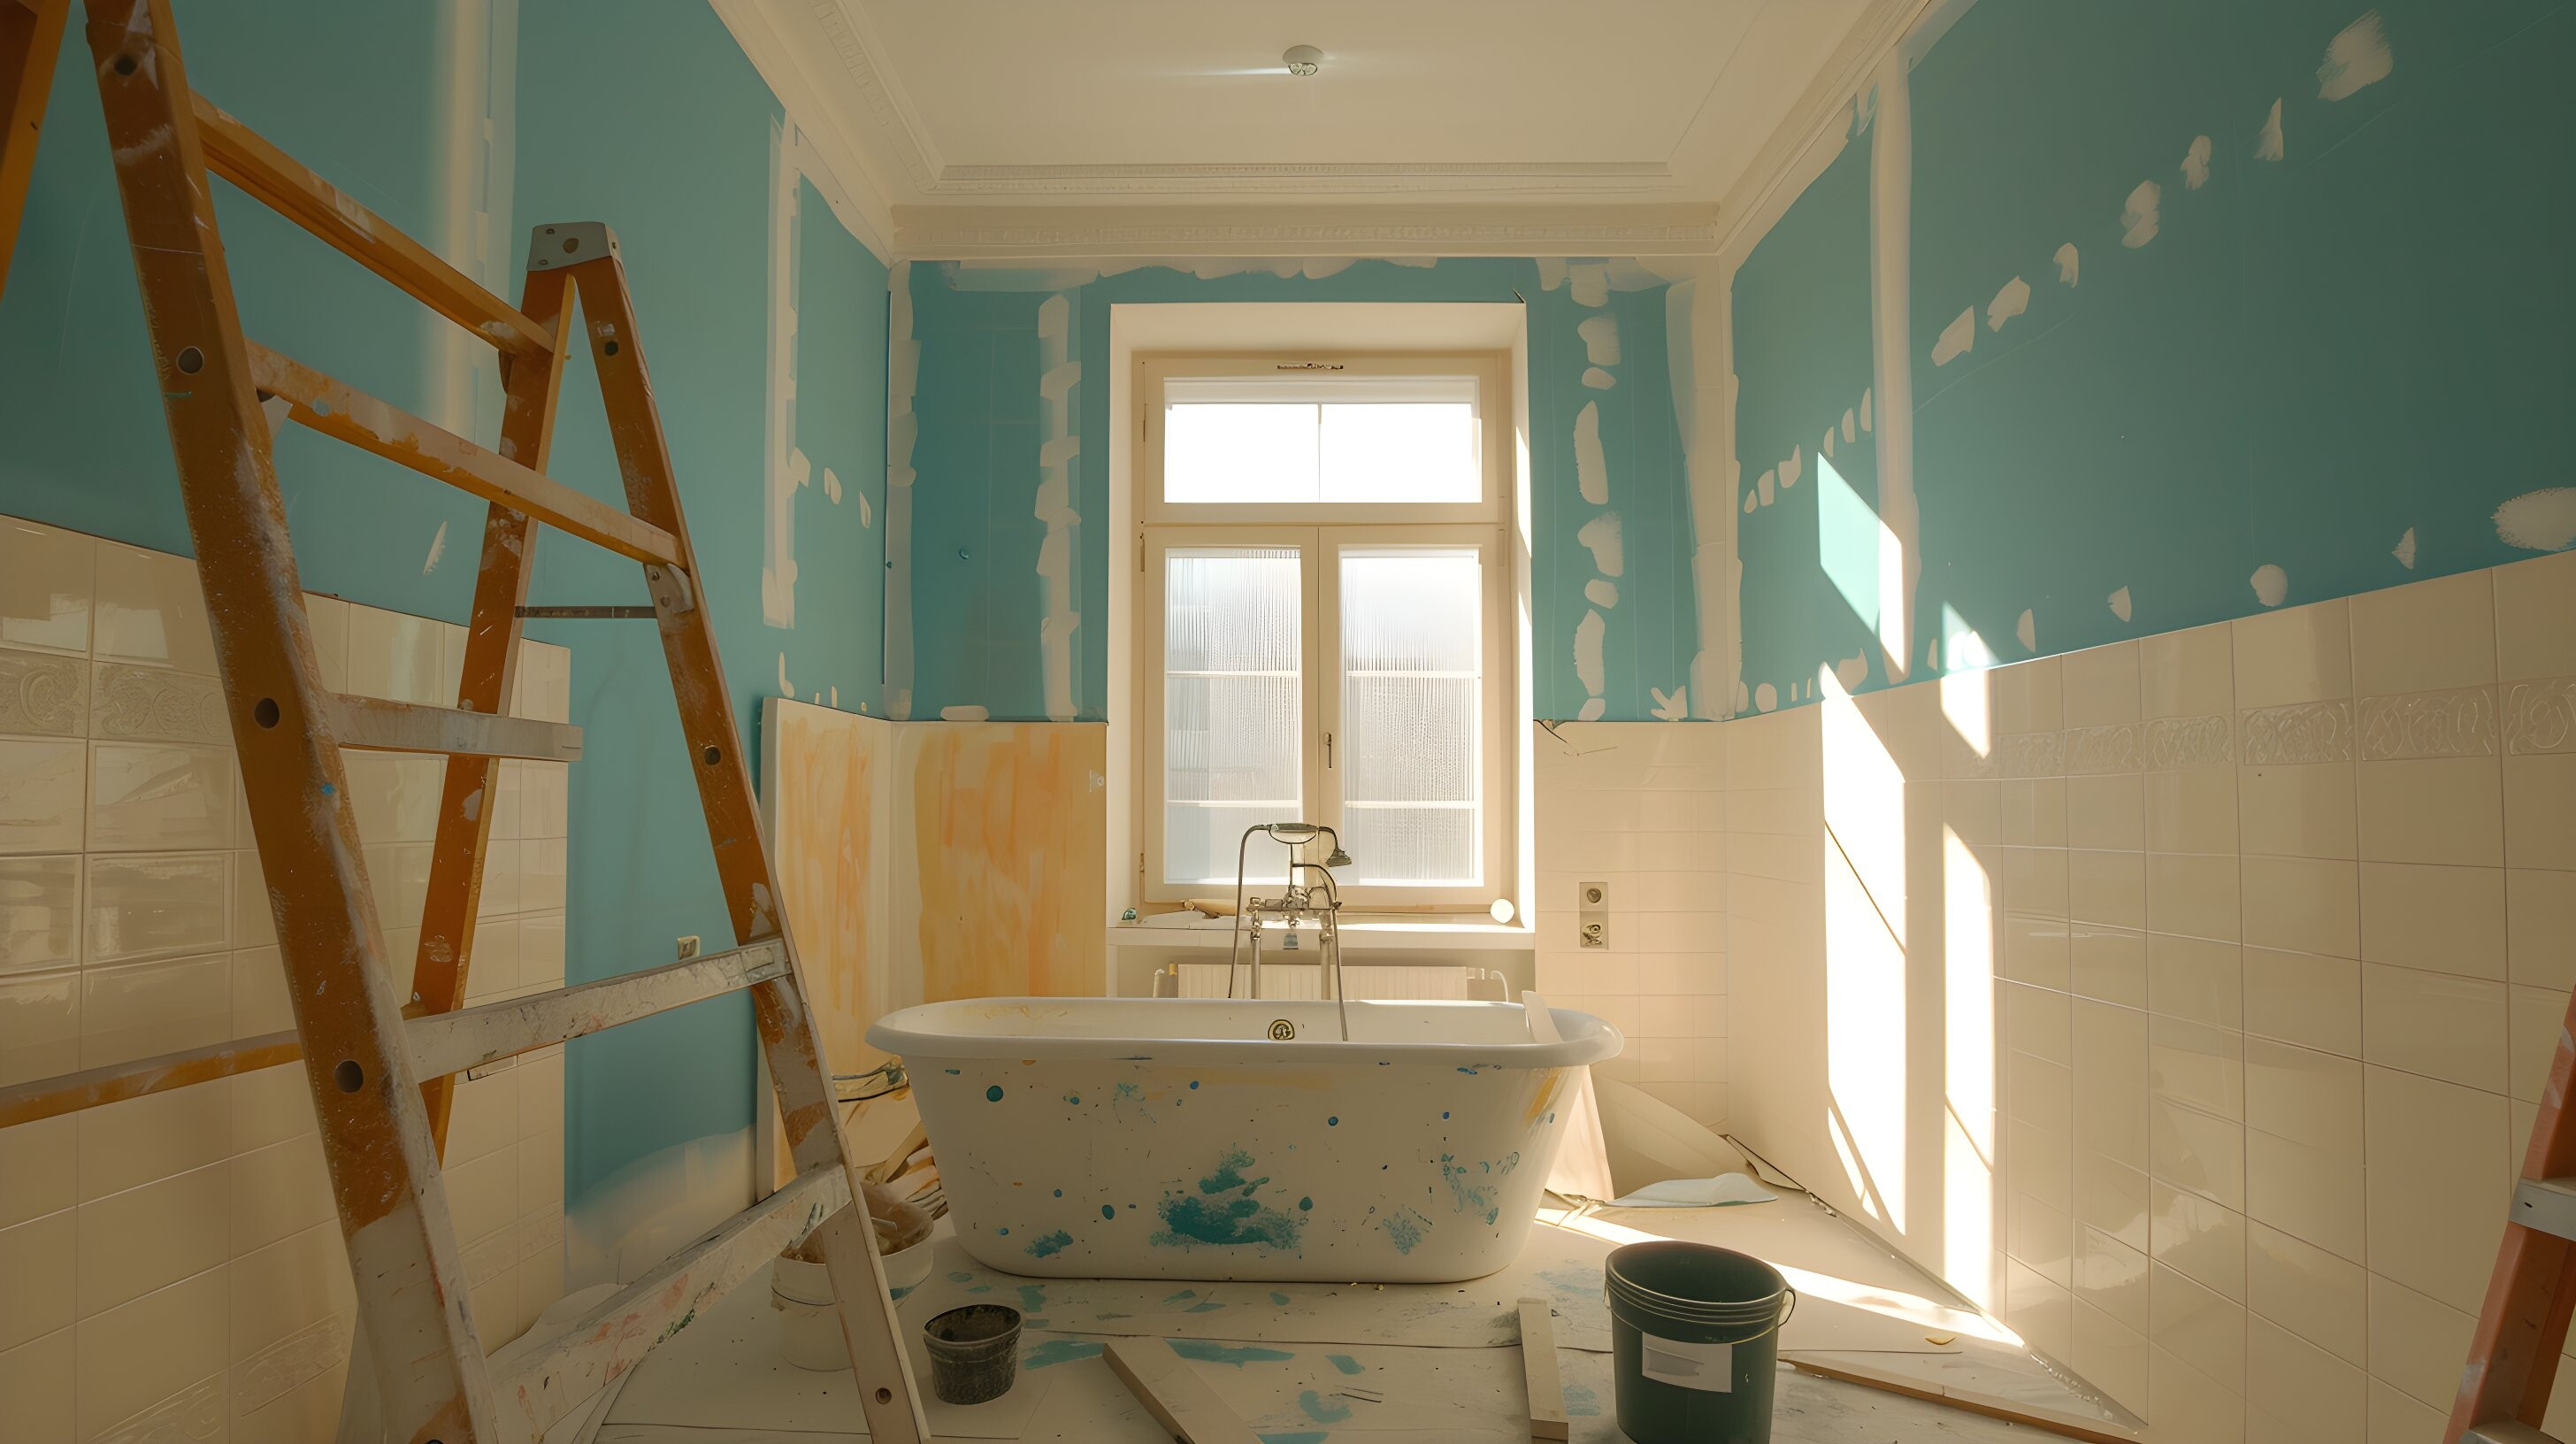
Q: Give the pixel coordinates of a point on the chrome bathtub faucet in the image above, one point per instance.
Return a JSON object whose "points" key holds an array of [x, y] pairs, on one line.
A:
{"points": [[1319, 900]]}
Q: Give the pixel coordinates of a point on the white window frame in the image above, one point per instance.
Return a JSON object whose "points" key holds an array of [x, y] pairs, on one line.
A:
{"points": [[1319, 532]]}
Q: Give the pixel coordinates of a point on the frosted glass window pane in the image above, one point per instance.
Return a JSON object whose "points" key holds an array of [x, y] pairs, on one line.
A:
{"points": [[1239, 453], [1306, 438], [1401, 453], [1412, 714], [1232, 625]]}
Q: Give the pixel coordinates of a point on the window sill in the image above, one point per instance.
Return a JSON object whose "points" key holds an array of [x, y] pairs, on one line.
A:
{"points": [[1450, 935]]}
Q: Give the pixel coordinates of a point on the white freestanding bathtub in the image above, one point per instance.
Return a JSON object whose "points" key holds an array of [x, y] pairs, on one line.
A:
{"points": [[1208, 1139]]}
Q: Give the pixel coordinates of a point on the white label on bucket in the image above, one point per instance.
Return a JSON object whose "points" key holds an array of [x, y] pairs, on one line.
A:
{"points": [[1709, 1368]]}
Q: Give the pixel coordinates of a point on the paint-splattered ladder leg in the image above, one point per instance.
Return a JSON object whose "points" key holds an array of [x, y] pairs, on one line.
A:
{"points": [[31, 36], [375, 1139], [794, 1050]]}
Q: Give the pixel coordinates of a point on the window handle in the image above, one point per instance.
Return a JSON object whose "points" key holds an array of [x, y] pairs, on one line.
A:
{"points": [[1328, 752]]}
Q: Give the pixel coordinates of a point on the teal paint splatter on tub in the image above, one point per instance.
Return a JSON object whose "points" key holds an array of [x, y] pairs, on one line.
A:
{"points": [[1183, 1294], [1333, 1122], [1345, 1363], [1208, 1351], [1208, 1307], [953, 1072], [1239, 1220], [1320, 1411], [993, 1094], [1305, 1205], [1194, 1085], [1050, 1245], [1073, 1098], [1278, 1298], [1404, 1229], [1108, 1210], [1032, 1298], [1470, 1072], [1001, 1233], [1471, 1197], [1058, 1351], [898, 1293], [1059, 1193]]}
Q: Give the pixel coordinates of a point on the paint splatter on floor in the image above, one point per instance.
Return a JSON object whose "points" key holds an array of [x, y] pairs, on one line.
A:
{"points": [[1345, 1363], [1208, 1351], [1059, 1351], [1321, 1410]]}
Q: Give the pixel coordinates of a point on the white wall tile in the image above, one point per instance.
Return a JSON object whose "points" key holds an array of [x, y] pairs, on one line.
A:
{"points": [[44, 787], [150, 611], [2425, 636], [2438, 1240], [39, 911], [36, 1379], [2433, 809], [2533, 600], [2305, 905], [2321, 1297], [2540, 927], [2303, 654], [2442, 919], [2441, 1026], [47, 605]]}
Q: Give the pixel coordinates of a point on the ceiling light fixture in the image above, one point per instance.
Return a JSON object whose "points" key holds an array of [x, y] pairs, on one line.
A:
{"points": [[1303, 60]]}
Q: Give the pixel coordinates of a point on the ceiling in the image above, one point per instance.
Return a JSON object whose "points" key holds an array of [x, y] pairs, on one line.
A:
{"points": [[1038, 126]]}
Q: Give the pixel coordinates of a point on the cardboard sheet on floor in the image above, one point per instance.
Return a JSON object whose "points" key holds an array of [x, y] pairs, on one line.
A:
{"points": [[1560, 1265], [725, 1371]]}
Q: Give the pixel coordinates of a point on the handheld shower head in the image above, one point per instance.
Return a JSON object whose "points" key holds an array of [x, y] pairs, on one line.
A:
{"points": [[1339, 858]]}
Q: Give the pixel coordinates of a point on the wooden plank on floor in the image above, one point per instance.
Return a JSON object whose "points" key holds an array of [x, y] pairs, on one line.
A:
{"points": [[1178, 1399], [2092, 1431], [1538, 1369]]}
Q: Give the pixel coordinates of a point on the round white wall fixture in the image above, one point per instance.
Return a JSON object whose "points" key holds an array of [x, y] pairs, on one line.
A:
{"points": [[1303, 60]]}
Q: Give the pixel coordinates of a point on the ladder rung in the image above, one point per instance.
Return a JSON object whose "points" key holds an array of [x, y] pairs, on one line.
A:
{"points": [[2507, 1431], [353, 416], [444, 1043], [557, 1375], [2546, 1204], [276, 180], [381, 726], [116, 1082], [591, 614]]}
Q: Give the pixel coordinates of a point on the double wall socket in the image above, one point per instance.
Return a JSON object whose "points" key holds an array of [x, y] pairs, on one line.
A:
{"points": [[1592, 914]]}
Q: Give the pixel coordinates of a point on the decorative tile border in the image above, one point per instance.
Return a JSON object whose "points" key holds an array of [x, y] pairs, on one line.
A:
{"points": [[1960, 762], [42, 693], [2300, 733], [153, 704], [2460, 722], [2119, 747], [2540, 717], [2173, 743], [2031, 754]]}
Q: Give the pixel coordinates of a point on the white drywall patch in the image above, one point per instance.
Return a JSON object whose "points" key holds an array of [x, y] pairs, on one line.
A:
{"points": [[2404, 551], [1059, 445], [1956, 338], [2009, 302], [2539, 521], [1598, 379], [2267, 146], [2271, 585], [2069, 264], [2027, 628], [1591, 468], [1864, 408], [867, 513], [832, 485], [903, 375], [2357, 57], [786, 688], [1588, 666], [1825, 444], [1601, 536], [1762, 487], [1766, 698], [1853, 670], [1599, 593], [1551, 272], [2120, 604], [437, 549], [1588, 282], [963, 714], [2195, 164], [783, 468], [1752, 499], [1600, 339], [1789, 469], [2139, 217], [1673, 706], [1593, 710], [1849, 433]]}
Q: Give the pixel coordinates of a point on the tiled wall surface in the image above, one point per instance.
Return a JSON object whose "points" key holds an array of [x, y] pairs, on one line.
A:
{"points": [[2269, 927], [1634, 806], [172, 1263]]}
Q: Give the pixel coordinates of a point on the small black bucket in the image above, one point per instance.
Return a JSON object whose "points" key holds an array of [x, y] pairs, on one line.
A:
{"points": [[1694, 1342], [974, 1352]]}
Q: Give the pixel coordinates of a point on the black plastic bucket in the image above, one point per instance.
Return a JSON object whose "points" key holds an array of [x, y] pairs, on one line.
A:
{"points": [[974, 1352], [1695, 1341]]}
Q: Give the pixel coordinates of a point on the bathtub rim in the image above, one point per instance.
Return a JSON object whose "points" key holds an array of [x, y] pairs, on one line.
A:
{"points": [[1584, 1039]]}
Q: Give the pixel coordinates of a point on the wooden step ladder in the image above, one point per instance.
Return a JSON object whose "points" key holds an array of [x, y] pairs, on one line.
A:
{"points": [[2513, 1357], [381, 1066]]}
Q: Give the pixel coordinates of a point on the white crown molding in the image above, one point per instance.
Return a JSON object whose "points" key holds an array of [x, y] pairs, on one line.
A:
{"points": [[854, 43], [1753, 203], [836, 161], [1515, 229]]}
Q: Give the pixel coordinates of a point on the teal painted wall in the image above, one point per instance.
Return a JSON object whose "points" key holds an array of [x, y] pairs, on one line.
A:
{"points": [[643, 115], [2311, 358], [975, 536]]}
